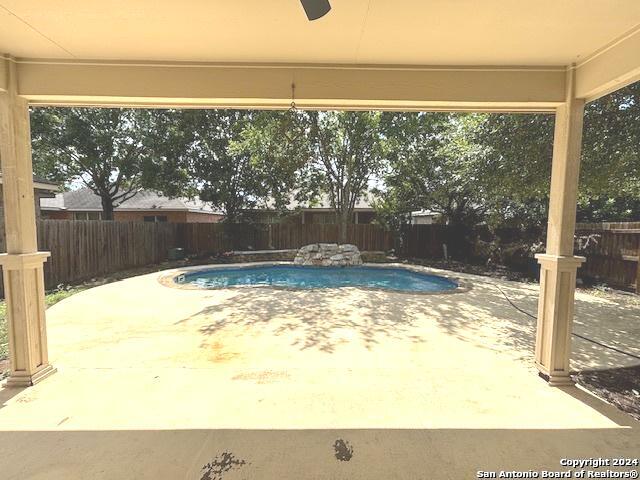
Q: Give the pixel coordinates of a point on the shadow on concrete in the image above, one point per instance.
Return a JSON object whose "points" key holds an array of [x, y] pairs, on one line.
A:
{"points": [[481, 316], [7, 394], [311, 317]]}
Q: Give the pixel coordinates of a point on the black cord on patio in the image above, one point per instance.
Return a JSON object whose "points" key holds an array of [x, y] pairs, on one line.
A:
{"points": [[582, 337]]}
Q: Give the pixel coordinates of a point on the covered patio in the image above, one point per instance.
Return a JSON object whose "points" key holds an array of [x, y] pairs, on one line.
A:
{"points": [[543, 56], [412, 383]]}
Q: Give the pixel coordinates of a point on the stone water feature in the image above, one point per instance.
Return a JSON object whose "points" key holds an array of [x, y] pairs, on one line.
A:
{"points": [[328, 255]]}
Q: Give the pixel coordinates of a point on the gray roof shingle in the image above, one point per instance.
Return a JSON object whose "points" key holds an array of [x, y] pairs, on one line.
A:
{"points": [[84, 199]]}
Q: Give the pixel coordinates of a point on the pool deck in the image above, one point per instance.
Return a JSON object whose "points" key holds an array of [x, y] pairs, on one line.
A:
{"points": [[156, 382]]}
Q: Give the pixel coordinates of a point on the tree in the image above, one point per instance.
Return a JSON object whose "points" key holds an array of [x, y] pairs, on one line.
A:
{"points": [[434, 165], [226, 159], [516, 168], [168, 136], [332, 154], [497, 167], [103, 149], [226, 179], [610, 169], [346, 152], [276, 145], [519, 152]]}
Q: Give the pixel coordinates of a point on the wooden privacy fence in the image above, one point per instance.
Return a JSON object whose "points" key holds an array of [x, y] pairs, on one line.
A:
{"points": [[424, 241], [85, 249], [613, 255], [612, 258], [81, 250], [435, 241], [607, 226], [202, 238], [211, 238]]}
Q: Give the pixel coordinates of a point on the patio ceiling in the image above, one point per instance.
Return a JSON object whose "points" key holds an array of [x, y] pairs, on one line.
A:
{"points": [[405, 54], [379, 32], [363, 54]]}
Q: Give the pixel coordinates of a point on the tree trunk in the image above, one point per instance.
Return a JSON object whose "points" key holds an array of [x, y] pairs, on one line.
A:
{"points": [[107, 208], [343, 218], [230, 215]]}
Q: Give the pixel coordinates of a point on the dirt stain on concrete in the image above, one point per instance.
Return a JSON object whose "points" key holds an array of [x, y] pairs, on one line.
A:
{"points": [[217, 352], [343, 450]]}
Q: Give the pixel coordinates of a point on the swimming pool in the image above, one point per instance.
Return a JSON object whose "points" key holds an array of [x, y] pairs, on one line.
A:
{"points": [[289, 276]]}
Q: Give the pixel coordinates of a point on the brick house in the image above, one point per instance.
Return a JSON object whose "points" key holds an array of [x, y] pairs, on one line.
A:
{"points": [[317, 212], [144, 206]]}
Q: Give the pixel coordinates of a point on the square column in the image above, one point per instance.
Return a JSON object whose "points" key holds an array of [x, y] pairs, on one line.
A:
{"points": [[22, 265], [555, 316], [558, 266]]}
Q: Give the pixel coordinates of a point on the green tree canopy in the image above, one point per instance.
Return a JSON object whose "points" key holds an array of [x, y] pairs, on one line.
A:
{"points": [[468, 167], [101, 148], [217, 155], [329, 154], [497, 167], [435, 165], [611, 151], [228, 180]]}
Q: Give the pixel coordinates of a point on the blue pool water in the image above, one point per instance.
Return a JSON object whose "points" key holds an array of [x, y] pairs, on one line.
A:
{"points": [[397, 279]]}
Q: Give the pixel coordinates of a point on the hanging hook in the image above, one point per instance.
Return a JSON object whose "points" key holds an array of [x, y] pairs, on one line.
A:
{"points": [[293, 96]]}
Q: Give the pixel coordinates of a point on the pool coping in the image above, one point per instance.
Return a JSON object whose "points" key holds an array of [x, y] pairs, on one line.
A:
{"points": [[168, 278]]}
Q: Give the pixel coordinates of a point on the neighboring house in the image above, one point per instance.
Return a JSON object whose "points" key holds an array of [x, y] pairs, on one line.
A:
{"points": [[41, 189], [315, 213], [425, 217], [144, 206]]}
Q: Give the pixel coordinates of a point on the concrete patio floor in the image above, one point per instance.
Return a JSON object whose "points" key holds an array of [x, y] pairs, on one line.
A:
{"points": [[162, 383]]}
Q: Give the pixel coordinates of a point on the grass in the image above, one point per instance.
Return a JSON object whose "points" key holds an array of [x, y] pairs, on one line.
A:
{"points": [[51, 298]]}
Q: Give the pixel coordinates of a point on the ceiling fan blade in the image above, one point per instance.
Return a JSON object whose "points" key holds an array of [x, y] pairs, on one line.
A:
{"points": [[315, 9]]}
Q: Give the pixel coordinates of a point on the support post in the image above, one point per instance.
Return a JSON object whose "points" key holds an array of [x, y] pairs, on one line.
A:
{"points": [[558, 266], [22, 265]]}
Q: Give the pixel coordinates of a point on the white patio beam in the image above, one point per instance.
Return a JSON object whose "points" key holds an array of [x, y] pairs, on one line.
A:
{"points": [[558, 266], [269, 86], [22, 265], [612, 67]]}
